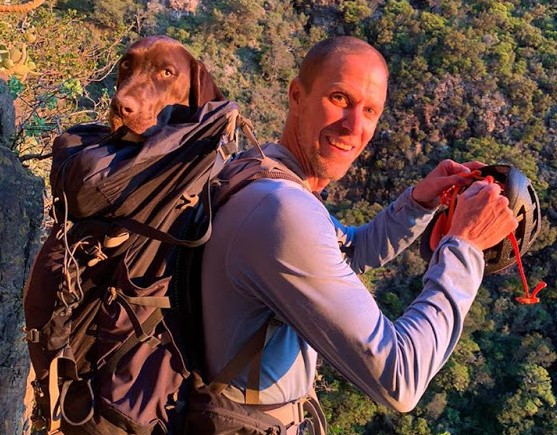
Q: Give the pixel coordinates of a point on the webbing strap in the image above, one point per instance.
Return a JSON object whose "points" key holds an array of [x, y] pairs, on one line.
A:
{"points": [[145, 230], [170, 339], [144, 301], [65, 388], [153, 233], [141, 331], [290, 414], [313, 409], [252, 387], [149, 325], [305, 410], [57, 395], [54, 396], [241, 360]]}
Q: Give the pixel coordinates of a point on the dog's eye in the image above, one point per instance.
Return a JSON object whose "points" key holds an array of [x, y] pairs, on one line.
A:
{"points": [[125, 64], [167, 73]]}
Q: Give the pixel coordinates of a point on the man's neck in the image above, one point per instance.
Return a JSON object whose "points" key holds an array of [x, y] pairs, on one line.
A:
{"points": [[290, 142]]}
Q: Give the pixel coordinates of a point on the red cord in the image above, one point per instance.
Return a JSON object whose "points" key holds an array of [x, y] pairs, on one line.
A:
{"points": [[448, 198], [528, 298]]}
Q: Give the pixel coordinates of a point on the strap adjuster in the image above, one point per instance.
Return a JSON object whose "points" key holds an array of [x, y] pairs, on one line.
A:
{"points": [[115, 241], [152, 341], [188, 200], [289, 414], [299, 407], [32, 335]]}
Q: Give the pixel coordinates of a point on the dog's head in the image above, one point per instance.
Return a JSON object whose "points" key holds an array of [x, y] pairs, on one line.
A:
{"points": [[158, 80]]}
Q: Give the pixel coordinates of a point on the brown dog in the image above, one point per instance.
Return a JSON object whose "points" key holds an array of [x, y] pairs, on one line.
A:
{"points": [[158, 81]]}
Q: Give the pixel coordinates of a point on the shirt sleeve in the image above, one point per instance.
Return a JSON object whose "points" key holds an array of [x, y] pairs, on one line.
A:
{"points": [[286, 256], [389, 233]]}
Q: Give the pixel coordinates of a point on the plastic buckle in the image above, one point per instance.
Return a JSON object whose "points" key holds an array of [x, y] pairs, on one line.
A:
{"points": [[299, 418], [153, 342], [222, 153], [229, 148], [112, 295], [32, 335], [189, 200]]}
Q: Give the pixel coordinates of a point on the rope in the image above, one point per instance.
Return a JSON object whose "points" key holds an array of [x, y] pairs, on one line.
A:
{"points": [[528, 298]]}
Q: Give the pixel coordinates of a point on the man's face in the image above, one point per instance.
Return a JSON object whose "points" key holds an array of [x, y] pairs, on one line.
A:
{"points": [[337, 118]]}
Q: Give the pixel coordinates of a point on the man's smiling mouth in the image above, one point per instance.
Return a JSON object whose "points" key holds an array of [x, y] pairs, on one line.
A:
{"points": [[339, 144]]}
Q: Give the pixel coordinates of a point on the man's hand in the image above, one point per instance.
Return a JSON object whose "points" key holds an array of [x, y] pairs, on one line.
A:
{"points": [[446, 174], [482, 216]]}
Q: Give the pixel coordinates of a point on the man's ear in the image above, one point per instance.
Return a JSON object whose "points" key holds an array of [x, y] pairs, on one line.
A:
{"points": [[295, 92], [202, 86]]}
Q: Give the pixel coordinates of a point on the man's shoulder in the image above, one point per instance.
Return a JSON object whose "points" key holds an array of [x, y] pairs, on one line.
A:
{"points": [[278, 194], [268, 204]]}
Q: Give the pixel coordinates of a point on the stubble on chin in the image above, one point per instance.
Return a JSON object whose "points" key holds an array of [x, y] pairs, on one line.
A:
{"points": [[319, 167], [324, 169]]}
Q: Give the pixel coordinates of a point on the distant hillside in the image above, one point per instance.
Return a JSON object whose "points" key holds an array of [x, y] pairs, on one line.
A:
{"points": [[469, 80]]}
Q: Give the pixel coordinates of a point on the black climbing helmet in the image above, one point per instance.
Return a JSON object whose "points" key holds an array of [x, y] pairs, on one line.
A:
{"points": [[525, 205]]}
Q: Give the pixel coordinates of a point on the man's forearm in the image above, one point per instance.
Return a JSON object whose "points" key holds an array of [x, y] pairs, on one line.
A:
{"points": [[387, 234]]}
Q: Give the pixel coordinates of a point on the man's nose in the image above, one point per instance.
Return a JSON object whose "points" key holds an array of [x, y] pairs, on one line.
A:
{"points": [[353, 120]]}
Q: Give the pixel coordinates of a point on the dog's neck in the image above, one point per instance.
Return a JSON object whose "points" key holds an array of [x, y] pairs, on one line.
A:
{"points": [[130, 136]]}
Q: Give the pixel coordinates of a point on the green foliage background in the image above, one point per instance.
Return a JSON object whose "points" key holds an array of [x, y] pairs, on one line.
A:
{"points": [[469, 80]]}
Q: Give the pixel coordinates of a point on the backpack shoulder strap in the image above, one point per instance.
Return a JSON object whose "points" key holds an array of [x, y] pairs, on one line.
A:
{"points": [[252, 169], [248, 355]]}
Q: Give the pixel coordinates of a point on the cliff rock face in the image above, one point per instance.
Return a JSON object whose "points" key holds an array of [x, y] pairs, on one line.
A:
{"points": [[184, 5], [21, 212], [7, 114]]}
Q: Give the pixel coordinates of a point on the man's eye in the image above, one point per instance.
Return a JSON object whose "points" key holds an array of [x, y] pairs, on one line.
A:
{"points": [[369, 110], [339, 99]]}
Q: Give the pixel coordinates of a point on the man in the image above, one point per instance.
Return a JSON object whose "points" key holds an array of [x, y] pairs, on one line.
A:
{"points": [[274, 253]]}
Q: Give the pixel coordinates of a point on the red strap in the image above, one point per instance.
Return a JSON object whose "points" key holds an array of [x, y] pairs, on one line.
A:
{"points": [[438, 231]]}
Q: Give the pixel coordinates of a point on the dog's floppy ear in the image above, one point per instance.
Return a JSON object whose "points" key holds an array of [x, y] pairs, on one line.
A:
{"points": [[203, 87]]}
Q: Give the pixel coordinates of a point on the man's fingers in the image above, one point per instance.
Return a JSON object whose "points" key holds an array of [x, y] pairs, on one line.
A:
{"points": [[459, 180], [491, 189], [482, 215], [474, 165], [450, 167], [447, 173], [510, 219], [474, 189]]}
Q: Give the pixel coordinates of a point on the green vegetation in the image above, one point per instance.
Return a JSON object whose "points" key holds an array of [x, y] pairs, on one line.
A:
{"points": [[469, 80]]}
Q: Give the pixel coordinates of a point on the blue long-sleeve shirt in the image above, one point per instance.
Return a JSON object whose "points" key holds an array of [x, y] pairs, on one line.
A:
{"points": [[275, 250]]}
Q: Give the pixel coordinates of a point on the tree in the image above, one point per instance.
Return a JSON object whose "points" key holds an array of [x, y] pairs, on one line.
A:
{"points": [[534, 392], [22, 8], [54, 94]]}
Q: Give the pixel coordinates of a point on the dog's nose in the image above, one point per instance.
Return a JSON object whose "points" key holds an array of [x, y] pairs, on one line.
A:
{"points": [[124, 106]]}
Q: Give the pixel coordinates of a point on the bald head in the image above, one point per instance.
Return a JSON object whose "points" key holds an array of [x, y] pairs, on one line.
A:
{"points": [[334, 48]]}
